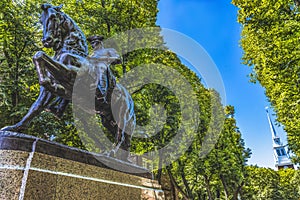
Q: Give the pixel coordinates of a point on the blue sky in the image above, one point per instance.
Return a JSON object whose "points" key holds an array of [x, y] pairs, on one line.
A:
{"points": [[213, 25]]}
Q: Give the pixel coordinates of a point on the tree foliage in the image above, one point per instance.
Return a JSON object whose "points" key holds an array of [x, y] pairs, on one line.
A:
{"points": [[18, 41], [266, 183], [214, 166], [270, 40], [219, 174]]}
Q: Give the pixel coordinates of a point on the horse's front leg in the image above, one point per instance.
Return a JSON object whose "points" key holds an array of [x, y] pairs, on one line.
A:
{"points": [[45, 97], [40, 68], [53, 75], [58, 69]]}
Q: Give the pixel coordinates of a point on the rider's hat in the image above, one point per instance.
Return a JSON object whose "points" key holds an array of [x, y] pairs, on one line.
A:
{"points": [[95, 37]]}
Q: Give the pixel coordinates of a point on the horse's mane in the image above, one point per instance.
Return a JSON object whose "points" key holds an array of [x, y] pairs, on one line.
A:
{"points": [[74, 40]]}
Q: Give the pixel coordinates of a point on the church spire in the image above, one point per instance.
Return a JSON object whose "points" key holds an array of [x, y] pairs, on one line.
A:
{"points": [[276, 139], [271, 124], [282, 159]]}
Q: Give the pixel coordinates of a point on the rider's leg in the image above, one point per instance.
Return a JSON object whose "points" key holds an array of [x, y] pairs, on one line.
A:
{"points": [[122, 140]]}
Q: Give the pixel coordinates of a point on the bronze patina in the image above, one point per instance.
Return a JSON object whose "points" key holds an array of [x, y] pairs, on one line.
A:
{"points": [[57, 76]]}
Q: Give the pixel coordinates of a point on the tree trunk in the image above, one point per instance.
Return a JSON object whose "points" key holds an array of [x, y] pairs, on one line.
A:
{"points": [[238, 190], [173, 181], [224, 186], [173, 190], [185, 183], [11, 75], [159, 174], [189, 191], [106, 18], [207, 185]]}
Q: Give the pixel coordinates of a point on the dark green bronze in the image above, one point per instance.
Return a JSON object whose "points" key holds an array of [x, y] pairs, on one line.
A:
{"points": [[57, 76]]}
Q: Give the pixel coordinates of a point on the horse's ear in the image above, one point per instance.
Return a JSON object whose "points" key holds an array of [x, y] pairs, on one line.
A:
{"points": [[57, 8], [44, 6]]}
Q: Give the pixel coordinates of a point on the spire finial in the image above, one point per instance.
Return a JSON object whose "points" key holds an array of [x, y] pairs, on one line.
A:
{"points": [[270, 123]]}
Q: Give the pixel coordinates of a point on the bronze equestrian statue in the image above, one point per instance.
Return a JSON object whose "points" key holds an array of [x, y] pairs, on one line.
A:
{"points": [[58, 74]]}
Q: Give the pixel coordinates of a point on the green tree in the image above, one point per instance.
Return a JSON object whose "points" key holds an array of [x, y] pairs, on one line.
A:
{"points": [[231, 156], [289, 182], [206, 170], [219, 174], [18, 36], [261, 183], [270, 40], [266, 183]]}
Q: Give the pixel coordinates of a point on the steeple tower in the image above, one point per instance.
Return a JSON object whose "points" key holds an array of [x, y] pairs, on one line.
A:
{"points": [[282, 159]]}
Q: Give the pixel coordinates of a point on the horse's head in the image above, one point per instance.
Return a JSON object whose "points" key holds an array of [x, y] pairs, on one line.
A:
{"points": [[51, 19]]}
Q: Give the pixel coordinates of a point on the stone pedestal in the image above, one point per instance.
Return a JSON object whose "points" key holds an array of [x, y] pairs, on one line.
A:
{"points": [[35, 169]]}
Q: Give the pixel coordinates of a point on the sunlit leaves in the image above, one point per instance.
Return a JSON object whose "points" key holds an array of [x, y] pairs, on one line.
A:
{"points": [[266, 183], [270, 40]]}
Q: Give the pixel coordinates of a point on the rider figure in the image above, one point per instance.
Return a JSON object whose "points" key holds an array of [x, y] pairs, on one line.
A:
{"points": [[104, 58], [96, 42], [107, 56]]}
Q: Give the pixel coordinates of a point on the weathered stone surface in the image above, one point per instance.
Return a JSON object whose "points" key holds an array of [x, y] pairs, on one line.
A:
{"points": [[10, 184], [54, 171]]}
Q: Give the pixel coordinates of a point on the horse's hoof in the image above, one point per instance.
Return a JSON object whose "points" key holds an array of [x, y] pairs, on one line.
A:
{"points": [[38, 55], [112, 153], [55, 112], [106, 154], [46, 82], [9, 128], [124, 156], [109, 153]]}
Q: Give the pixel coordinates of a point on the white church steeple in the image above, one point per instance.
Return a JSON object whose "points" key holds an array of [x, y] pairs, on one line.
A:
{"points": [[282, 159]]}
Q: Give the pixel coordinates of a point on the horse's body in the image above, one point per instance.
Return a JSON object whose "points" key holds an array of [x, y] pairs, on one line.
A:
{"points": [[67, 40], [57, 76]]}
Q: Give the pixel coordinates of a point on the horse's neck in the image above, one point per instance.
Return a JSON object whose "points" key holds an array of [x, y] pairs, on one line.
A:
{"points": [[73, 40], [75, 43]]}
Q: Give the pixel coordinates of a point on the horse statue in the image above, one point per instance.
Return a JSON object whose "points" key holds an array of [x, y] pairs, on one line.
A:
{"points": [[57, 76]]}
